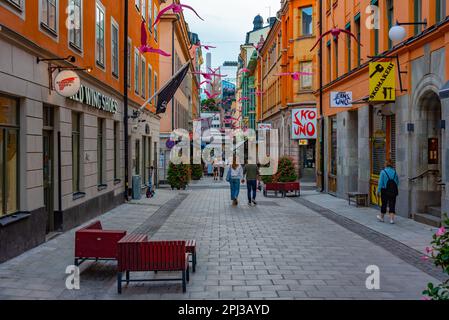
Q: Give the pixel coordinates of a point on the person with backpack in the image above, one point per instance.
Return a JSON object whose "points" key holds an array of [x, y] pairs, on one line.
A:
{"points": [[388, 190]]}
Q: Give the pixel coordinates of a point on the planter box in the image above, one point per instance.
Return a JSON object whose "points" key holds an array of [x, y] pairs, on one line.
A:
{"points": [[272, 187]]}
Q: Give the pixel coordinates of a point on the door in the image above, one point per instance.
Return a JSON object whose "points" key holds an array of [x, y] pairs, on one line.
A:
{"points": [[48, 178]]}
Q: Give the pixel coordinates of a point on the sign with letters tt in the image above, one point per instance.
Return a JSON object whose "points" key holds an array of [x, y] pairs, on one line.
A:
{"points": [[341, 99]]}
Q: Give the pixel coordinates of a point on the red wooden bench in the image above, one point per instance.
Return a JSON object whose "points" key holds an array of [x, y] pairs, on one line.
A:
{"points": [[291, 187], [94, 243], [137, 254]]}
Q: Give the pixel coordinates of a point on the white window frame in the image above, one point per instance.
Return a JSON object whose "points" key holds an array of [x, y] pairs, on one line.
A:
{"points": [[150, 81], [150, 15], [43, 25], [156, 85], [143, 10], [136, 71], [156, 12], [74, 46], [137, 4], [101, 65], [130, 53], [17, 9], [115, 73]]}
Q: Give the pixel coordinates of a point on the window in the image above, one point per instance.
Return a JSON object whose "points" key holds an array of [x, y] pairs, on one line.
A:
{"points": [[150, 82], [129, 62], [115, 48], [136, 71], [17, 4], [75, 33], [150, 15], [306, 21], [137, 4], [9, 155], [418, 15], [376, 33], [144, 9], [100, 150], [358, 34], [336, 57], [155, 83], [306, 81], [116, 150], [99, 35], [329, 62], [333, 147], [156, 12], [349, 49], [390, 18], [440, 10], [49, 15], [144, 76], [76, 151]]}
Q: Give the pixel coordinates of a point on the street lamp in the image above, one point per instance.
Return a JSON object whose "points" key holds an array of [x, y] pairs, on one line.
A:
{"points": [[397, 33]]}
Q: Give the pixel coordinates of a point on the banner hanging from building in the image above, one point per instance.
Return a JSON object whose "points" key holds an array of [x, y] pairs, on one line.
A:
{"points": [[382, 82], [341, 99], [304, 124]]}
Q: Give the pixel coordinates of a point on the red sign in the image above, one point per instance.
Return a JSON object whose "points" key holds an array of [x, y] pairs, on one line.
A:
{"points": [[304, 124]]}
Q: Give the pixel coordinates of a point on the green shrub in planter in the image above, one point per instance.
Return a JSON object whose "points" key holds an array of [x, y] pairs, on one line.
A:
{"points": [[286, 170], [197, 171], [178, 175]]}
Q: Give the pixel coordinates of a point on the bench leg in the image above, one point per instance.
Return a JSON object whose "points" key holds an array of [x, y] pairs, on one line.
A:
{"points": [[188, 273], [184, 283], [127, 277], [194, 262], [76, 263], [119, 283]]}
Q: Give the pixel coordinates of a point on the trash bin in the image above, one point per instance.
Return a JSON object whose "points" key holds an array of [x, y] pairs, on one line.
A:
{"points": [[137, 184]]}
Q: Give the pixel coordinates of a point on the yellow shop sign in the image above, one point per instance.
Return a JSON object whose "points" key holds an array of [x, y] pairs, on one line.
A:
{"points": [[382, 82]]}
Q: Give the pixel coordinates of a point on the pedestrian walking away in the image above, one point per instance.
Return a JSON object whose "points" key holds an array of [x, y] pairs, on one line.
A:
{"points": [[234, 177], [251, 175], [388, 190]]}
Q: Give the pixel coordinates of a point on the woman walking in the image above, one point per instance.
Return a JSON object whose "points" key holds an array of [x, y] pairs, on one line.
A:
{"points": [[234, 177], [388, 191]]}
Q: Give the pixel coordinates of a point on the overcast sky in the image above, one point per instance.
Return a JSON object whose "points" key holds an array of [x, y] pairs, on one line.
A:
{"points": [[226, 23]]}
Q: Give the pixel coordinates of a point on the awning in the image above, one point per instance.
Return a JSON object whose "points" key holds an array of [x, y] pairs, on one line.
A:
{"points": [[444, 91]]}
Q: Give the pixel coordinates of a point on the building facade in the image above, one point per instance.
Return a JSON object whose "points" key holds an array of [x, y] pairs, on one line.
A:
{"points": [[285, 51], [62, 159], [179, 111], [408, 129]]}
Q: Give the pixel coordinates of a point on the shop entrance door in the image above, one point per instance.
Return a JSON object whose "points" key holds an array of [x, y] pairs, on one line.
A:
{"points": [[47, 138]]}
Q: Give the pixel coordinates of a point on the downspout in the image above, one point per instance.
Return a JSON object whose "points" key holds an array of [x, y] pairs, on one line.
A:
{"points": [[125, 99], [320, 54], [173, 72], [60, 220]]}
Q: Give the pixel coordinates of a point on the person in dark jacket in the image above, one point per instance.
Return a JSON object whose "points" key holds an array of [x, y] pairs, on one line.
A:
{"points": [[387, 190]]}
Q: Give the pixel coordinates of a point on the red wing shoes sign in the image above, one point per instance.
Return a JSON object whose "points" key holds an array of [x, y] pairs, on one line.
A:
{"points": [[67, 83]]}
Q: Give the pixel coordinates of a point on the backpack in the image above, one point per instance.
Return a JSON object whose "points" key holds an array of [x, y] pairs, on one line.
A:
{"points": [[392, 188]]}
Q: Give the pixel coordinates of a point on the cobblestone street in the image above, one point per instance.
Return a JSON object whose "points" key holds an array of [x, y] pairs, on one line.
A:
{"points": [[280, 249]]}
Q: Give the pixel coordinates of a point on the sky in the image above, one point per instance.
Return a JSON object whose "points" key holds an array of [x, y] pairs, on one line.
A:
{"points": [[226, 24]]}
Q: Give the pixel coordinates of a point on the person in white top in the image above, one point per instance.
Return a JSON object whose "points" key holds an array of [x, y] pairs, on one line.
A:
{"points": [[235, 177]]}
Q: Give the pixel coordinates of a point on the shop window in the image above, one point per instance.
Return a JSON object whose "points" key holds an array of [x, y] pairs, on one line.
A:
{"points": [[116, 150], [100, 151], [76, 152], [9, 156], [333, 148], [137, 160]]}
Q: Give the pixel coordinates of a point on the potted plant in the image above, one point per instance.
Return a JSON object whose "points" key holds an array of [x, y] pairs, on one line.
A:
{"points": [[197, 172], [439, 253], [284, 180], [178, 175]]}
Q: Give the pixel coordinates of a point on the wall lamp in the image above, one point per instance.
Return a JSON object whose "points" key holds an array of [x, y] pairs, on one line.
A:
{"points": [[398, 33]]}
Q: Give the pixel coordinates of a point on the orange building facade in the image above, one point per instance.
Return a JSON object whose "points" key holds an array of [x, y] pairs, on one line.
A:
{"points": [[70, 151], [286, 51], [360, 134]]}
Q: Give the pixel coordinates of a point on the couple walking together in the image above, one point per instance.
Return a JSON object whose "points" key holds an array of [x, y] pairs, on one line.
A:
{"points": [[237, 175]]}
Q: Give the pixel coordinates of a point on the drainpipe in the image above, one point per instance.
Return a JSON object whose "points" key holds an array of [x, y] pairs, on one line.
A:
{"points": [[320, 54], [173, 70], [125, 98]]}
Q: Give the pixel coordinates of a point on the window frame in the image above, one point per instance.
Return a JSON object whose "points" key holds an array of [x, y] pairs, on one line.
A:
{"points": [[99, 7], [76, 187], [143, 76], [136, 71], [44, 22], [101, 123], [302, 22], [115, 73], [73, 44]]}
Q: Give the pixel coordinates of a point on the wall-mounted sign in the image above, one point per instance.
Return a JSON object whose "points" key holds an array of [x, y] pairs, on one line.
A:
{"points": [[67, 83], [304, 124], [264, 126], [303, 142], [341, 99], [382, 82], [98, 100]]}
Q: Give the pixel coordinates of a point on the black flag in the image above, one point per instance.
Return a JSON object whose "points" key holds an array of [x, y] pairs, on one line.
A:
{"points": [[167, 92]]}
